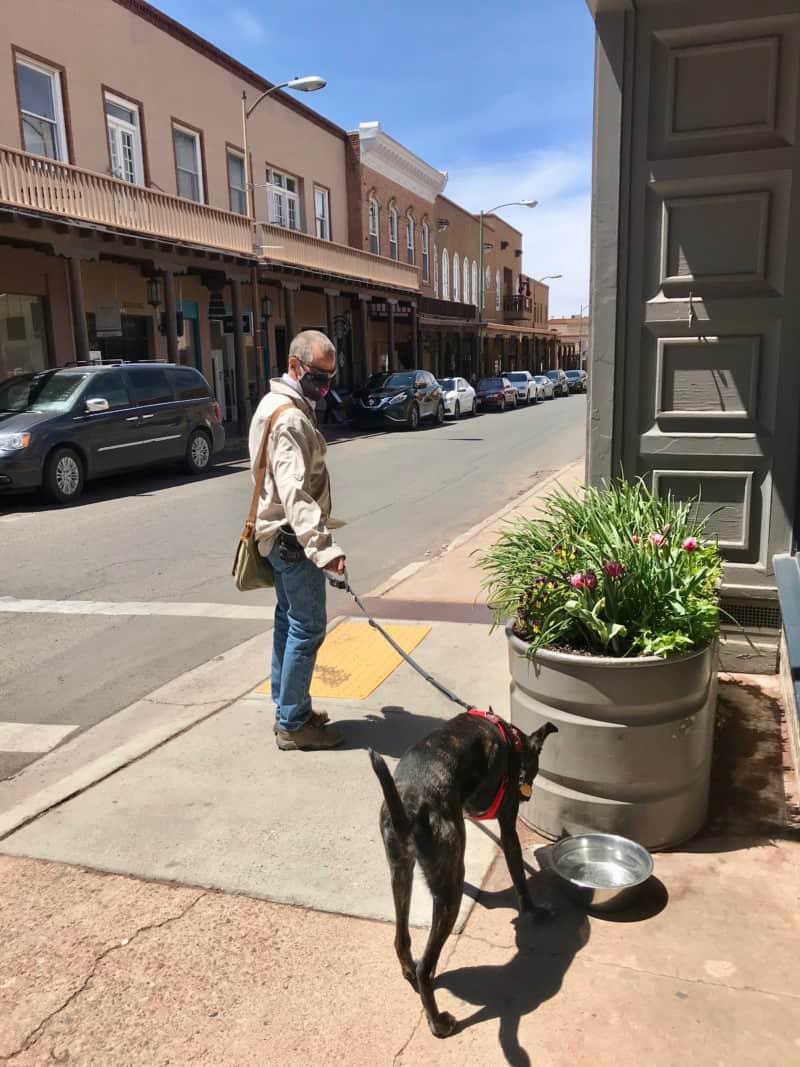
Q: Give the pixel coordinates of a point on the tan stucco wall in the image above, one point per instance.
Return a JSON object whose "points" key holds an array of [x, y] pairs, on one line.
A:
{"points": [[171, 80]]}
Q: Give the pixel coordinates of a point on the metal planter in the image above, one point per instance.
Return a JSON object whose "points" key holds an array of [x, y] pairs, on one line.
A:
{"points": [[633, 751]]}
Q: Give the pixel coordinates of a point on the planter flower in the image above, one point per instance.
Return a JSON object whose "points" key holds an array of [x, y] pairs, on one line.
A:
{"points": [[613, 608]]}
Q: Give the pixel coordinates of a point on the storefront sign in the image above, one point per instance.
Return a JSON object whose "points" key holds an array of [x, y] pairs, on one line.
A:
{"points": [[108, 321]]}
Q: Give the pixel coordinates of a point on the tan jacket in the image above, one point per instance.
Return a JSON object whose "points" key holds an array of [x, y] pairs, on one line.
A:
{"points": [[297, 487]]}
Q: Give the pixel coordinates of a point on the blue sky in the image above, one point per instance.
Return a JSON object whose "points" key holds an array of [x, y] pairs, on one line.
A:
{"points": [[499, 95]]}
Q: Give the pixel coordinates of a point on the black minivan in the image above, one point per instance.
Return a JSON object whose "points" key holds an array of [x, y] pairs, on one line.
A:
{"points": [[60, 427]]}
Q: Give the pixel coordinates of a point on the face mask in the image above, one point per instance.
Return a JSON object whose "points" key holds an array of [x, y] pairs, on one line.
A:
{"points": [[315, 384]]}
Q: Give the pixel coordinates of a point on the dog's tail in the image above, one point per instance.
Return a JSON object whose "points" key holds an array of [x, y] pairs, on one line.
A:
{"points": [[394, 804]]}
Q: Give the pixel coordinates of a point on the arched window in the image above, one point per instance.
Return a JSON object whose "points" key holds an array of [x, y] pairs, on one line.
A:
{"points": [[426, 262], [475, 282], [435, 270], [374, 215], [445, 275], [456, 278], [410, 256], [392, 233], [465, 289], [498, 296]]}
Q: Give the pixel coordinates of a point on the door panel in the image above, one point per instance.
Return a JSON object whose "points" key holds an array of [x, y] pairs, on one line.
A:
{"points": [[112, 438]]}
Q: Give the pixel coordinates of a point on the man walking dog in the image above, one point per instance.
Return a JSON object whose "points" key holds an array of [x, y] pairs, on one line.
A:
{"points": [[292, 531]]}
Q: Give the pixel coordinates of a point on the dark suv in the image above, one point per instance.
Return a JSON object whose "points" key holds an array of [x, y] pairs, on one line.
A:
{"points": [[60, 427], [399, 398]]}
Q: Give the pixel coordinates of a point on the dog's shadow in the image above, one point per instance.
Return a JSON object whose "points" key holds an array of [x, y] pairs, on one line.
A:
{"points": [[390, 733], [510, 990]]}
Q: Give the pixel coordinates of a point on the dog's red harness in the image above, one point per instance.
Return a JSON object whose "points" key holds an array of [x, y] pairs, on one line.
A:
{"points": [[505, 729]]}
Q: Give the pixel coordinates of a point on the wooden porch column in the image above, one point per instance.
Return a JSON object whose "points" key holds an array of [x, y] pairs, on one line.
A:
{"points": [[291, 326], [81, 334], [258, 340], [171, 317], [363, 299], [390, 306], [330, 307], [414, 336], [240, 358]]}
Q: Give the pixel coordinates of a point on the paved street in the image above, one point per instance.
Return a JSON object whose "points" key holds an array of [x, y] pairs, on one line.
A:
{"points": [[132, 587]]}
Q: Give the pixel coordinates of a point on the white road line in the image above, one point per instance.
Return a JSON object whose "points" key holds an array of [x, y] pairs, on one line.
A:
{"points": [[31, 737], [252, 612]]}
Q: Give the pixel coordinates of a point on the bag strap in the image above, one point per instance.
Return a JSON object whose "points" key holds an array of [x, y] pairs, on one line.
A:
{"points": [[260, 472]]}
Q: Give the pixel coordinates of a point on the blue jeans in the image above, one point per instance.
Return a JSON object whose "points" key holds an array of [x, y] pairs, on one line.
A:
{"points": [[300, 621]]}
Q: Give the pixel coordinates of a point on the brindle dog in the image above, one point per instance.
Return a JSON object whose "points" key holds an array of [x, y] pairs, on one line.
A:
{"points": [[458, 768]]}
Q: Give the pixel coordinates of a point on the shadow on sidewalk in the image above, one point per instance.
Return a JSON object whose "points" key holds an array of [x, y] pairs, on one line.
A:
{"points": [[390, 733], [509, 991]]}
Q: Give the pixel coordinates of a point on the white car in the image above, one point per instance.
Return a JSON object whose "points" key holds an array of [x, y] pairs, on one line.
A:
{"points": [[523, 382], [544, 387], [458, 396]]}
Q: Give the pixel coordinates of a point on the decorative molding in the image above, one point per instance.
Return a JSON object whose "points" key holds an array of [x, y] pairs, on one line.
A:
{"points": [[388, 157]]}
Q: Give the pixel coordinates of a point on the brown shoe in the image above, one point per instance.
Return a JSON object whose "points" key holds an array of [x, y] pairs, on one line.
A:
{"points": [[318, 718], [308, 737]]}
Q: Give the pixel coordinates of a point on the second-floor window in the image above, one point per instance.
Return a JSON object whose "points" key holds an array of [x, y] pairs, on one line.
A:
{"points": [[410, 257], [475, 282], [465, 290], [374, 239], [392, 233], [41, 110], [284, 199], [426, 266], [435, 270], [456, 278], [237, 183], [498, 295], [123, 123], [322, 213], [445, 275], [188, 163]]}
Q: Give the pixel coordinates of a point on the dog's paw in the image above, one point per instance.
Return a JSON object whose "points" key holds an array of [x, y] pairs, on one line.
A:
{"points": [[443, 1025]]}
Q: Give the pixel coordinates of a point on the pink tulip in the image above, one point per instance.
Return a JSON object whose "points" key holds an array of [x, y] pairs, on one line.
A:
{"points": [[635, 539], [590, 579], [577, 581], [657, 539], [690, 544], [613, 568]]}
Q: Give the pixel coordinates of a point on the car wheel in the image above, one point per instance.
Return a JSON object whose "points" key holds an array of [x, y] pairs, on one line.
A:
{"points": [[439, 417], [413, 418], [457, 411], [64, 476], [198, 452], [501, 407], [474, 411]]}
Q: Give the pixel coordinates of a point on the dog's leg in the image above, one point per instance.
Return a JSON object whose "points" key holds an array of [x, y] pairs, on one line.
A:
{"points": [[401, 862], [512, 850]]}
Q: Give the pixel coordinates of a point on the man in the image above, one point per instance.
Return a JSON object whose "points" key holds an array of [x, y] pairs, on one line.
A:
{"points": [[292, 531]]}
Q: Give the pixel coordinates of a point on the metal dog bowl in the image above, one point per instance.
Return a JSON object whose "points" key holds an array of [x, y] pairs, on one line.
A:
{"points": [[602, 871]]}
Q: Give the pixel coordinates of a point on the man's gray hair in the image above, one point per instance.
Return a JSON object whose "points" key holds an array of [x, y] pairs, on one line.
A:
{"points": [[303, 344]]}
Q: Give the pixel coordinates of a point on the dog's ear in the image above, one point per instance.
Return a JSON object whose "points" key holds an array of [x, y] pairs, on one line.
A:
{"points": [[538, 736]]}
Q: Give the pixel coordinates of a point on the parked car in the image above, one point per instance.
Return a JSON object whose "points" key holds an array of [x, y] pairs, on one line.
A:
{"points": [[458, 396], [496, 393], [399, 398], [61, 427], [576, 379], [523, 382], [544, 387], [560, 382]]}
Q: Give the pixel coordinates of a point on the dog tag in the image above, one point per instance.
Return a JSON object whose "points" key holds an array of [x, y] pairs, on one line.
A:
{"points": [[525, 791]]}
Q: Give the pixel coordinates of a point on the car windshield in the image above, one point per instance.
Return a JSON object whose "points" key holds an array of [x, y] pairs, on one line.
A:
{"points": [[573, 374], [391, 381], [540, 379], [554, 374], [490, 383], [448, 384], [517, 376], [46, 392]]}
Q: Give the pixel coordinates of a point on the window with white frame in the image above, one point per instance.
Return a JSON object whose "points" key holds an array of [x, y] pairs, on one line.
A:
{"points": [[124, 139], [283, 199], [410, 256], [445, 275], [435, 270], [456, 277], [322, 213], [188, 163], [374, 216], [426, 268], [392, 233], [475, 282], [498, 296], [237, 183], [465, 289], [41, 110]]}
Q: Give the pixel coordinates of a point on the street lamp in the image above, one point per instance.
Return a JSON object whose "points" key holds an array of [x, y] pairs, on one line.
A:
{"points": [[308, 84], [511, 203]]}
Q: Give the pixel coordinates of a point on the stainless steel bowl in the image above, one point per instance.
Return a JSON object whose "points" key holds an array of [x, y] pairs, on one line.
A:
{"points": [[604, 872]]}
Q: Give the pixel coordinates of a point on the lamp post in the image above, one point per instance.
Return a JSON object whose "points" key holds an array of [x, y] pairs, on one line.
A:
{"points": [[511, 203], [580, 336], [308, 84], [541, 281]]}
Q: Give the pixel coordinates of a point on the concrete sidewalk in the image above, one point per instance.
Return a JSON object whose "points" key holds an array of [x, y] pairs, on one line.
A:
{"points": [[212, 901]]}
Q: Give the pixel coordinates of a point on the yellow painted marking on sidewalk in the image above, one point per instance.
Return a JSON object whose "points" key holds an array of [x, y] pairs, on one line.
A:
{"points": [[354, 659]]}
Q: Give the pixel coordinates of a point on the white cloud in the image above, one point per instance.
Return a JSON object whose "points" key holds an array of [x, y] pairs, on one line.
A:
{"points": [[556, 233], [248, 26]]}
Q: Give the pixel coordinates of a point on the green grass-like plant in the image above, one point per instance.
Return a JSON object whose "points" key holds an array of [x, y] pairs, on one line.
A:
{"points": [[613, 571]]}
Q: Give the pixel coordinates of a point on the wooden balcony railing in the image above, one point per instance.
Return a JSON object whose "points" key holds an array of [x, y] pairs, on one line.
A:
{"points": [[297, 249], [38, 184], [516, 308], [451, 309]]}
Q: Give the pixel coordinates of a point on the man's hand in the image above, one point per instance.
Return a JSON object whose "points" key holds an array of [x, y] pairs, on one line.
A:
{"points": [[336, 566]]}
